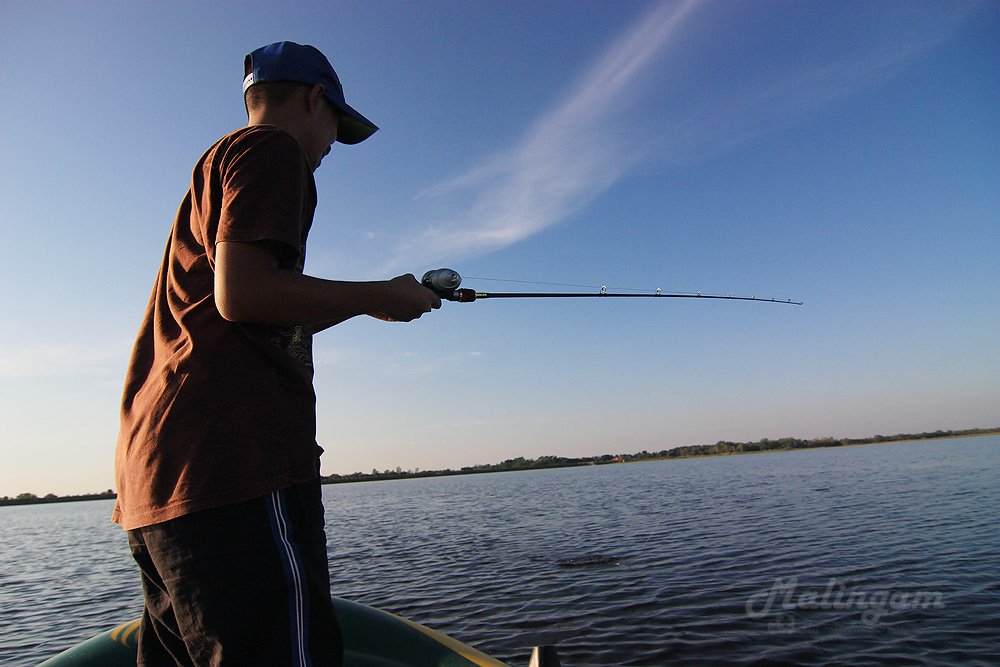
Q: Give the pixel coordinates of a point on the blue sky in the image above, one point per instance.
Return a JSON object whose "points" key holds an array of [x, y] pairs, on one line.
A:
{"points": [[845, 154]]}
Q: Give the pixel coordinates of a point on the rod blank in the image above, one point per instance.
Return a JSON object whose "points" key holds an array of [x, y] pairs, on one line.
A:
{"points": [[465, 294], [446, 281]]}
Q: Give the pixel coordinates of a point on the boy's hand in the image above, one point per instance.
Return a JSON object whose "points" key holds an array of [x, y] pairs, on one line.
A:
{"points": [[408, 300]]}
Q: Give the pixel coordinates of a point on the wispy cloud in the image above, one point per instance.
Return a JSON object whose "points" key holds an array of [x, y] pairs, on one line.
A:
{"points": [[566, 158], [589, 141], [721, 117]]}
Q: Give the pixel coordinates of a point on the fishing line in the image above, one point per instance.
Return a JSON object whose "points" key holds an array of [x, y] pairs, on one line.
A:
{"points": [[652, 532]]}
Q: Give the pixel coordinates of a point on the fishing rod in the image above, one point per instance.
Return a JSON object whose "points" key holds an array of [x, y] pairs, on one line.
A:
{"points": [[446, 282]]}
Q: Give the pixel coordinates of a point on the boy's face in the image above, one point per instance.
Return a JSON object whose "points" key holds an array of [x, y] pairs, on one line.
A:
{"points": [[328, 122]]}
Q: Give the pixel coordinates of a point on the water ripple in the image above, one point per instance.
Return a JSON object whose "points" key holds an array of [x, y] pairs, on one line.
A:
{"points": [[671, 563]]}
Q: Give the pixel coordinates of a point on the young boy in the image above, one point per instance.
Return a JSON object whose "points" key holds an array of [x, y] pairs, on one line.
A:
{"points": [[217, 465]]}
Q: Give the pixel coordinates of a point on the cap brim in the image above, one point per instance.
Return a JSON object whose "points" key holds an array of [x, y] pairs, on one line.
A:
{"points": [[354, 128]]}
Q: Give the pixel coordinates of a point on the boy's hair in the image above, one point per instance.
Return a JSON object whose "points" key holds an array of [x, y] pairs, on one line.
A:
{"points": [[271, 93]]}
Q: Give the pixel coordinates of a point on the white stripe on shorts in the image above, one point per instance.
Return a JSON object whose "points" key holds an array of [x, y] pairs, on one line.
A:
{"points": [[295, 580]]}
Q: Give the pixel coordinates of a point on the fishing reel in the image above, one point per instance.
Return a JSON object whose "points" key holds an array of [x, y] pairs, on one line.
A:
{"points": [[444, 283]]}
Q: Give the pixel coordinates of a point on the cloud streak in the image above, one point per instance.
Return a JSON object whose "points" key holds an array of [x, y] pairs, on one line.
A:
{"points": [[584, 145], [567, 157], [725, 116]]}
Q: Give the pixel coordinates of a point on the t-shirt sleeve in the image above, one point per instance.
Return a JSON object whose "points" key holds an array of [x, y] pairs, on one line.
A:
{"points": [[265, 181]]}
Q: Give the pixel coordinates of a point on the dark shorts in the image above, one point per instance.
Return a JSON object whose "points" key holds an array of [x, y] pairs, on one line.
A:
{"points": [[245, 584]]}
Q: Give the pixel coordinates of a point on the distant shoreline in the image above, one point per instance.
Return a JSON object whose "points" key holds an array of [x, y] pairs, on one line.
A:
{"points": [[721, 448], [52, 498]]}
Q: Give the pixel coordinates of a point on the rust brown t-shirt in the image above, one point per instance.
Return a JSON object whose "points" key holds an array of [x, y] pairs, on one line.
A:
{"points": [[216, 412]]}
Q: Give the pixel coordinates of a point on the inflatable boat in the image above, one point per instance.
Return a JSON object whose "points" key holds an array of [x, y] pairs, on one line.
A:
{"points": [[372, 638]]}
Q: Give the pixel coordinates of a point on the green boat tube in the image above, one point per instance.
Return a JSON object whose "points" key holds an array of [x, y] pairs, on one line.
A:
{"points": [[372, 638]]}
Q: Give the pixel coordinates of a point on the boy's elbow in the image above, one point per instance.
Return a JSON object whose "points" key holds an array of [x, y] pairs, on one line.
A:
{"points": [[241, 270], [228, 309], [231, 304]]}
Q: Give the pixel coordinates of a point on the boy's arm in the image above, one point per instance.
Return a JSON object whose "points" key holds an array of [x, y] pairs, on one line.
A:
{"points": [[251, 287]]}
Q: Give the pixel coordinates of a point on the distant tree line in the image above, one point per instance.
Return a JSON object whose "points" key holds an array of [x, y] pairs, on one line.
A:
{"points": [[724, 447], [721, 448], [32, 499], [519, 463]]}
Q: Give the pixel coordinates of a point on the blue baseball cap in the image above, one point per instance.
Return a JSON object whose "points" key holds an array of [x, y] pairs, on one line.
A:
{"points": [[288, 61]]}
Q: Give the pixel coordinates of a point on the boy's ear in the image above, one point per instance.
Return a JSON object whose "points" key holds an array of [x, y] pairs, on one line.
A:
{"points": [[316, 96]]}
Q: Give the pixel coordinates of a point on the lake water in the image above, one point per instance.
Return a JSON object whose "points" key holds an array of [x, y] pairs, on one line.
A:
{"points": [[880, 555]]}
